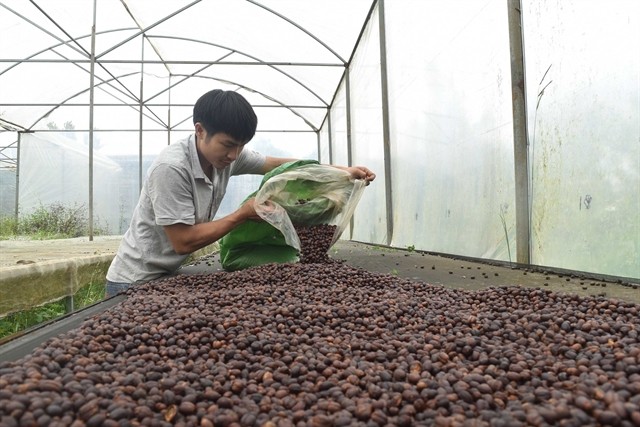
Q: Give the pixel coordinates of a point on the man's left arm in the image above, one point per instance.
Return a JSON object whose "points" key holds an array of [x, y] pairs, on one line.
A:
{"points": [[357, 172], [271, 163]]}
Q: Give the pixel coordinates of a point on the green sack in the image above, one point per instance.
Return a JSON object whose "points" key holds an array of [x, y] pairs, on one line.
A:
{"points": [[255, 243], [310, 194], [301, 193]]}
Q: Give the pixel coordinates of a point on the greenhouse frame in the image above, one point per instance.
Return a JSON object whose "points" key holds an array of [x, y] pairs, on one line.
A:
{"points": [[499, 130], [472, 261]]}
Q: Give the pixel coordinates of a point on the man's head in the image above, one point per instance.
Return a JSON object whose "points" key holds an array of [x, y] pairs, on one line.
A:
{"points": [[224, 122], [227, 112]]}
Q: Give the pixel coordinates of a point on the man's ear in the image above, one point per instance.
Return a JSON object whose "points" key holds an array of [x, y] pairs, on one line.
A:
{"points": [[200, 131]]}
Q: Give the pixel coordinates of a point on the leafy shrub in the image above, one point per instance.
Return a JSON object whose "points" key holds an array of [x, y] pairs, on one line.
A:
{"points": [[54, 221], [8, 226]]}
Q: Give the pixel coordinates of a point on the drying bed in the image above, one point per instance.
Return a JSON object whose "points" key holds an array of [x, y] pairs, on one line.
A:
{"points": [[326, 343]]}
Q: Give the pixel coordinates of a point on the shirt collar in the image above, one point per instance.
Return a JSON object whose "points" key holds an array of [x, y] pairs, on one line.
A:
{"points": [[194, 160]]}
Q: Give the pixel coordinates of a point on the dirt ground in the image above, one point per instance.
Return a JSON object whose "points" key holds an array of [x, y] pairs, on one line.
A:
{"points": [[23, 252]]}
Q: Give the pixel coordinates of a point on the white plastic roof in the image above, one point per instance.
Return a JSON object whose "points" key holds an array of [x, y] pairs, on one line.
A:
{"points": [[286, 56]]}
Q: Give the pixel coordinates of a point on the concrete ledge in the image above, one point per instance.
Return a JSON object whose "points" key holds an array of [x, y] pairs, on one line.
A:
{"points": [[30, 285]]}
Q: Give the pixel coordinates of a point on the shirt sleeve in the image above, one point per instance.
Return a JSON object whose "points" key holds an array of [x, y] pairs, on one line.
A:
{"points": [[249, 162], [171, 195]]}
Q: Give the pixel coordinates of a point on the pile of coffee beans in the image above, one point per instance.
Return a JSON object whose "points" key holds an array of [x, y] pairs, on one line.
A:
{"points": [[315, 241], [326, 344]]}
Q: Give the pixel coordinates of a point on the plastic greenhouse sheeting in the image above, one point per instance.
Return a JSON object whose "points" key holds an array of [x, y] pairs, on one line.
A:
{"points": [[151, 64], [58, 176], [423, 92], [286, 55]]}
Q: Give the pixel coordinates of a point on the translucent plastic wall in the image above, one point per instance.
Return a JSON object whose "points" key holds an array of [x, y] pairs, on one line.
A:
{"points": [[450, 115], [426, 103], [55, 171], [8, 156], [450, 137], [298, 145], [324, 154], [370, 221], [339, 148], [335, 148], [584, 132], [59, 176], [451, 167]]}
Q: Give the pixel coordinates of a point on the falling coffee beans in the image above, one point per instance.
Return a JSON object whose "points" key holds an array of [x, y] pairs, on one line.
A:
{"points": [[313, 344], [315, 242]]}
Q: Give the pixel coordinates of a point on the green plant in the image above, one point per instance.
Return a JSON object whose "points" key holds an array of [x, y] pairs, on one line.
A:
{"points": [[22, 320], [8, 227], [89, 294], [531, 166], [503, 210], [54, 221], [411, 248]]}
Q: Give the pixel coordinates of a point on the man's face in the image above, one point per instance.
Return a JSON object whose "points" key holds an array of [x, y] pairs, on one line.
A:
{"points": [[219, 149]]}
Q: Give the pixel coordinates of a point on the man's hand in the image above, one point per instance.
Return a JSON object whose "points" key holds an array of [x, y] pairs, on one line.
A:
{"points": [[187, 239], [248, 210], [361, 172]]}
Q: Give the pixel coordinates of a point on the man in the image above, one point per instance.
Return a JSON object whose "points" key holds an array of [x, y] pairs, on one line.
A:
{"points": [[185, 186]]}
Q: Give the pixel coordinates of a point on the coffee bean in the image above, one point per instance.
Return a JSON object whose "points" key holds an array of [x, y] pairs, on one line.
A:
{"points": [[323, 343]]}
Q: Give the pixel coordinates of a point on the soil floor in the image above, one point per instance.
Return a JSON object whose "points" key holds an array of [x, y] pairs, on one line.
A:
{"points": [[434, 269], [23, 252]]}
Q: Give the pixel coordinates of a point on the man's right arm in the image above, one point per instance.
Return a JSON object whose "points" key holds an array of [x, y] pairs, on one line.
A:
{"points": [[187, 239]]}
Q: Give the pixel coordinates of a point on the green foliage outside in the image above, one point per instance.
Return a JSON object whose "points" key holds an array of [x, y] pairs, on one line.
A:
{"points": [[16, 322], [8, 227], [54, 221]]}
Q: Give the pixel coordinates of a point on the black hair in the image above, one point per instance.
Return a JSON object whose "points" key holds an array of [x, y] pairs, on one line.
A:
{"points": [[227, 112]]}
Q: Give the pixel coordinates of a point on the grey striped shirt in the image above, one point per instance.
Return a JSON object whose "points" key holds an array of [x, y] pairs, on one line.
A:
{"points": [[176, 191]]}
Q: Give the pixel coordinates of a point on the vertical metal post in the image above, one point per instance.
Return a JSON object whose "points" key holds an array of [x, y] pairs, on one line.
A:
{"points": [[386, 138], [141, 116], [318, 145], [520, 134], [330, 130], [347, 88], [329, 139], [91, 101], [69, 304], [169, 114], [17, 206]]}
